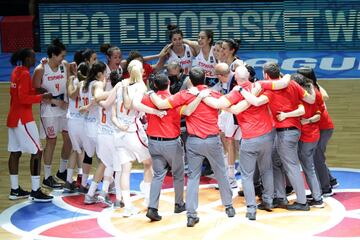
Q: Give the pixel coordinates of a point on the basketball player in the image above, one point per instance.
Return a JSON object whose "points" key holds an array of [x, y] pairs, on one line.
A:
{"points": [[51, 77], [179, 51], [130, 137], [22, 130], [205, 55]]}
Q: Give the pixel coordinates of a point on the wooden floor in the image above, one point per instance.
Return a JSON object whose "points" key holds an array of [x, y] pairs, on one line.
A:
{"points": [[343, 149]]}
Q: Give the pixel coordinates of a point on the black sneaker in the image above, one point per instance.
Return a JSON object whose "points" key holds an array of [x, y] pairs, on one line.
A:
{"points": [[280, 203], [298, 207], [316, 204], [289, 190], [179, 208], [153, 215], [258, 191], [334, 183], [328, 193], [265, 206], [230, 211], [39, 196], [18, 194], [309, 197], [70, 187], [191, 221], [51, 183], [62, 175]]}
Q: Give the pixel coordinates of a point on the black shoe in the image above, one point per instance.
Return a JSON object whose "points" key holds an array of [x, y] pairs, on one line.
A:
{"points": [[309, 197], [298, 207], [18, 193], [230, 211], [334, 183], [39, 196], [51, 183], [192, 221], [328, 193], [280, 203], [62, 175], [265, 206], [152, 213], [251, 215], [316, 204], [70, 187], [179, 208], [289, 190]]}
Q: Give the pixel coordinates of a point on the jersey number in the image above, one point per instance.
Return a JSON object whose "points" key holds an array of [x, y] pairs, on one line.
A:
{"points": [[103, 115], [85, 100], [57, 86], [77, 102], [122, 109]]}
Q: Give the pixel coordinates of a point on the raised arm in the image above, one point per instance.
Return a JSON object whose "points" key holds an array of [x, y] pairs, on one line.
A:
{"points": [[189, 109], [111, 98], [136, 103], [72, 91], [239, 107], [254, 100], [193, 44], [217, 103], [159, 102]]}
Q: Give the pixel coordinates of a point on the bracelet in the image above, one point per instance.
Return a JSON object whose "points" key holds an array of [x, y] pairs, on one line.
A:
{"points": [[197, 94], [310, 121], [240, 89]]}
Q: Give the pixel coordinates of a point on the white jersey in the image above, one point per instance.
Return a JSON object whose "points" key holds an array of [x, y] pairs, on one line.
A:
{"points": [[55, 83], [105, 125], [108, 86], [127, 116], [185, 61], [93, 115], [208, 65], [74, 105]]}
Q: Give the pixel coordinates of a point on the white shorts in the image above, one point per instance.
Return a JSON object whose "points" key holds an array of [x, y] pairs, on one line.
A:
{"points": [[228, 127], [24, 138], [51, 126], [106, 150], [132, 146], [77, 134]]}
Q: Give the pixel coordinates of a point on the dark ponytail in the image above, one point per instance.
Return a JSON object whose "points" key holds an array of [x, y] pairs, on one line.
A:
{"points": [[309, 73], [20, 56], [233, 44], [173, 29], [94, 70]]}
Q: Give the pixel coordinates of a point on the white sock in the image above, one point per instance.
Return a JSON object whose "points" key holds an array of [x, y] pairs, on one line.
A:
{"points": [[117, 185], [231, 171], [14, 180], [105, 186], [84, 179], [47, 171], [126, 198], [69, 176], [35, 183], [80, 171], [92, 189], [63, 165]]}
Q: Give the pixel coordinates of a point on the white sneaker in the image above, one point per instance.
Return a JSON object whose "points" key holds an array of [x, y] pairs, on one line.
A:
{"points": [[90, 199], [130, 211]]}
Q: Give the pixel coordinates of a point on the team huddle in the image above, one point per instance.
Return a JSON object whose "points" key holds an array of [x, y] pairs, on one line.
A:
{"points": [[128, 110]]}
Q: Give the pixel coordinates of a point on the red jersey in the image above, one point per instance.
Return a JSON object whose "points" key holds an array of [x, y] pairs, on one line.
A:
{"points": [[311, 132], [254, 121], [204, 120], [169, 125], [23, 95], [148, 69], [325, 120], [286, 100]]}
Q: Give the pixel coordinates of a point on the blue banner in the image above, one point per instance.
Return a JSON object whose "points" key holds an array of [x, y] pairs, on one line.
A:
{"points": [[328, 65], [277, 25]]}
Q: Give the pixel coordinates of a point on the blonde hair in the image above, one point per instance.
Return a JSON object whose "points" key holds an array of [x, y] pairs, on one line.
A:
{"points": [[135, 69]]}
